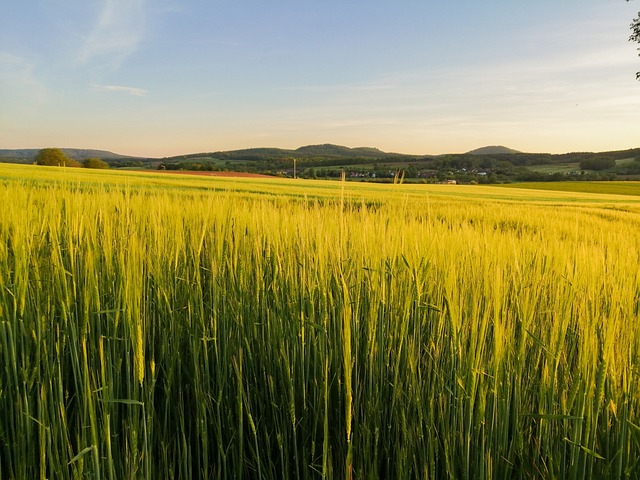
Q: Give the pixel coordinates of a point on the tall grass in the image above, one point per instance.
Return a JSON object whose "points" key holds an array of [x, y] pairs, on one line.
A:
{"points": [[217, 330]]}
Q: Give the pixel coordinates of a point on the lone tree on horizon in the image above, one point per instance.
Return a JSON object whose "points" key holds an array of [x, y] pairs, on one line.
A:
{"points": [[54, 157]]}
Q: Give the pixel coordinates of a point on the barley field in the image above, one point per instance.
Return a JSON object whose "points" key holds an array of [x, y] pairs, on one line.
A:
{"points": [[171, 327], [617, 188]]}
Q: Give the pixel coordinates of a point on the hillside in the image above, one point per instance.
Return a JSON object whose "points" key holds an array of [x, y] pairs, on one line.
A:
{"points": [[27, 155], [325, 151], [492, 150], [338, 150]]}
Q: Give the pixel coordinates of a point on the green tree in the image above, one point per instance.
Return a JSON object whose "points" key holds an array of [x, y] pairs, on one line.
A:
{"points": [[94, 163], [635, 35], [602, 163], [54, 157]]}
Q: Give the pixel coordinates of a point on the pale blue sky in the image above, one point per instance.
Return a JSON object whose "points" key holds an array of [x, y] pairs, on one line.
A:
{"points": [[165, 77]]}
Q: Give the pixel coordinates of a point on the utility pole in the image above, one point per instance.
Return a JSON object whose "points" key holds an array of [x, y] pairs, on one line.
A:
{"points": [[295, 160]]}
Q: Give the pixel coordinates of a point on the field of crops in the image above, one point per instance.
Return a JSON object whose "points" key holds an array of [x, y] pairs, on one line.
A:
{"points": [[159, 326], [614, 188]]}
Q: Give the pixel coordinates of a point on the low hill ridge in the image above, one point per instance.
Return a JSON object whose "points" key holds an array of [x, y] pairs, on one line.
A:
{"points": [[28, 155], [339, 150], [493, 150]]}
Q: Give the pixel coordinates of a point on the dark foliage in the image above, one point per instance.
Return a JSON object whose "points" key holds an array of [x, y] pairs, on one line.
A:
{"points": [[602, 163], [635, 35], [54, 157]]}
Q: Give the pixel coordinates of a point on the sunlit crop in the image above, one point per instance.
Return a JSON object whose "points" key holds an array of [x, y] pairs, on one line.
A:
{"points": [[171, 327]]}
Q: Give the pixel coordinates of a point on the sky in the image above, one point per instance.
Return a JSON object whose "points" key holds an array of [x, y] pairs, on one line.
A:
{"points": [[167, 77]]}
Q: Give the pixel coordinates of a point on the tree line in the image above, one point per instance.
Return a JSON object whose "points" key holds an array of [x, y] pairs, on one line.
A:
{"points": [[55, 157]]}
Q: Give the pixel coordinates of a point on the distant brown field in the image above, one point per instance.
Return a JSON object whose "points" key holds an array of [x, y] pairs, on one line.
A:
{"points": [[216, 174]]}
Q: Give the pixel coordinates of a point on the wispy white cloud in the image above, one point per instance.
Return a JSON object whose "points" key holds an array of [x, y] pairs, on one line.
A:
{"points": [[137, 92], [117, 33]]}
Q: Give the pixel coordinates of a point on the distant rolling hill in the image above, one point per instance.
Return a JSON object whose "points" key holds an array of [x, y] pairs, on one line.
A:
{"points": [[340, 151], [493, 150], [28, 155], [326, 150]]}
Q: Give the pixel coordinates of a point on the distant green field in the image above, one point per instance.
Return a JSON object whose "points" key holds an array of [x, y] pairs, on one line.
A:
{"points": [[613, 188], [556, 168], [572, 166], [625, 161]]}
